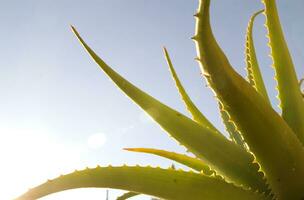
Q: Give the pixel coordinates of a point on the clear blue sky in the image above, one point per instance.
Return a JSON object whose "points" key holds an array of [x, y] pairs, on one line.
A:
{"points": [[58, 111]]}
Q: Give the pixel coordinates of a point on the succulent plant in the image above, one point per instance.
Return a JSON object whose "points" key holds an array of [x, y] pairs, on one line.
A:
{"points": [[262, 159]]}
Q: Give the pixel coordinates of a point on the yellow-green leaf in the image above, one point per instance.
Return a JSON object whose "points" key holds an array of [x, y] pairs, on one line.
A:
{"points": [[197, 115], [274, 144], [195, 112], [292, 103], [231, 128], [163, 183], [191, 162], [253, 70], [223, 156]]}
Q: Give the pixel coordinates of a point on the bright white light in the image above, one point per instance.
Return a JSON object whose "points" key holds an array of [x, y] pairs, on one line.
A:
{"points": [[29, 157], [97, 140]]}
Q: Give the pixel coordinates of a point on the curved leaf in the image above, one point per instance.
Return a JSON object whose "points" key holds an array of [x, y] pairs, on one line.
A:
{"points": [[253, 70], [127, 195], [276, 147], [163, 183], [191, 162], [195, 112], [225, 157], [292, 103], [197, 115]]}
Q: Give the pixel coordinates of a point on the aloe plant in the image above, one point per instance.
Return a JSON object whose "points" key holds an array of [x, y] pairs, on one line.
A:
{"points": [[262, 159]]}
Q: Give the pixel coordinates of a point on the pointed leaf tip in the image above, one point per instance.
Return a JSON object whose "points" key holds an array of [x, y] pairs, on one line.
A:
{"points": [[191, 162], [129, 149], [201, 141], [127, 195], [197, 115], [73, 29], [252, 66]]}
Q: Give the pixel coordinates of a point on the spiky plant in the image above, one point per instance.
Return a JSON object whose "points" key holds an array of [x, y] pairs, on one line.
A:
{"points": [[264, 157]]}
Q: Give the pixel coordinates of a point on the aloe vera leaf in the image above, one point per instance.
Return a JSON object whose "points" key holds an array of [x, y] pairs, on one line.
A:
{"points": [[127, 195], [253, 70], [223, 156], [291, 101], [195, 112], [231, 128], [191, 162], [197, 115], [162, 183], [301, 82], [300, 85], [274, 144]]}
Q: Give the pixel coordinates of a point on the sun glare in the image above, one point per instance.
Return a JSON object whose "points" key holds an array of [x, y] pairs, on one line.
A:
{"points": [[96, 140], [30, 157]]}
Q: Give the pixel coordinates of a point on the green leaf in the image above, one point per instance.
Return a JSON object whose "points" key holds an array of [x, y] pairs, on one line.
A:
{"points": [[191, 162], [292, 103], [252, 66], [301, 82], [231, 128], [162, 183], [197, 115], [274, 144], [300, 85], [127, 195], [227, 158], [195, 112]]}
